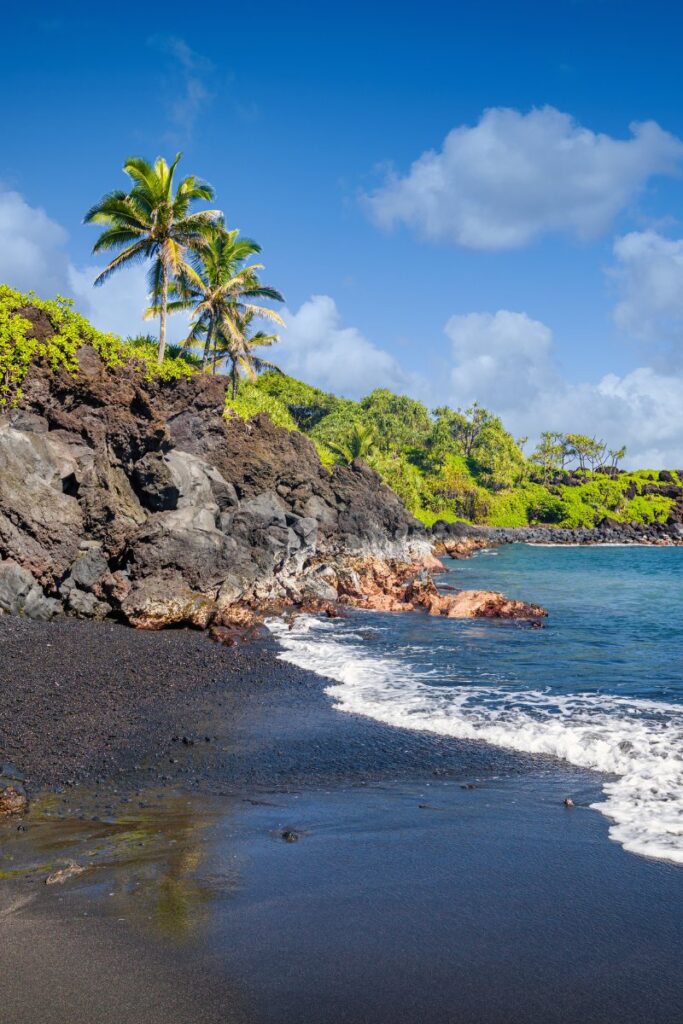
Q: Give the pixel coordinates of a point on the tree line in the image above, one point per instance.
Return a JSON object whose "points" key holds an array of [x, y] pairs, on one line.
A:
{"points": [[557, 452]]}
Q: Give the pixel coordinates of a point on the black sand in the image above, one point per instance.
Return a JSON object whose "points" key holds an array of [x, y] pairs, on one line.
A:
{"points": [[303, 865]]}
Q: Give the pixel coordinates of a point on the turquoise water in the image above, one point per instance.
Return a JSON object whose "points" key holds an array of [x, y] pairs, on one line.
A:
{"points": [[601, 686], [615, 620]]}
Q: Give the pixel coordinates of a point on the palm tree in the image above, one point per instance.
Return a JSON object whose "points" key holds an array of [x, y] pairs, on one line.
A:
{"points": [[153, 222], [222, 289], [237, 350], [359, 445]]}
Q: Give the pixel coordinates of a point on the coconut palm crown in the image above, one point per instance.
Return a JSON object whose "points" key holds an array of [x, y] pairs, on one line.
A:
{"points": [[238, 352], [223, 291], [153, 222]]}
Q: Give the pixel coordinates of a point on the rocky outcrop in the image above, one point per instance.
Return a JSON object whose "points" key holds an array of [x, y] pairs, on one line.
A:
{"points": [[137, 499], [460, 540], [394, 587], [470, 604], [459, 547]]}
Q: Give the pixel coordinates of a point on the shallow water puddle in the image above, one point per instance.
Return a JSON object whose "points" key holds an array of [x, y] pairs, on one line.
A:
{"points": [[140, 856]]}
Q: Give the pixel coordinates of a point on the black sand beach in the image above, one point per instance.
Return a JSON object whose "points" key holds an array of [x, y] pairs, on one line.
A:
{"points": [[301, 864]]}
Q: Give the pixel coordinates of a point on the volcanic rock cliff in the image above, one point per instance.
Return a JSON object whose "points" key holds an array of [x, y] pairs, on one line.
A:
{"points": [[136, 498]]}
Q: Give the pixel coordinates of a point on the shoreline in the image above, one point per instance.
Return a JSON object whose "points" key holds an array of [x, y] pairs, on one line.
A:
{"points": [[394, 874], [175, 708]]}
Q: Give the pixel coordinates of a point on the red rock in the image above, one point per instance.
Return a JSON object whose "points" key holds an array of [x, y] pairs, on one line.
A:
{"points": [[13, 800], [397, 587], [461, 547]]}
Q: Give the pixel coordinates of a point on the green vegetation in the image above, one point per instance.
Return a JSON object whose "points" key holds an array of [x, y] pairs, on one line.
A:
{"points": [[153, 222], [249, 401], [222, 290], [23, 341], [446, 464], [460, 464]]}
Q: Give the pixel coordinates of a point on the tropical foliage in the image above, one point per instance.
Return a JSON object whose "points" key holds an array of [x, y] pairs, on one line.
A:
{"points": [[359, 444], [196, 265], [21, 343], [224, 294], [460, 464]]}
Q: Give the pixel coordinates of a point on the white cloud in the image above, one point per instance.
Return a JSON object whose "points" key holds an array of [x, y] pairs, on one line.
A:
{"points": [[500, 358], [318, 348], [513, 177], [32, 247], [33, 257], [506, 362], [650, 275]]}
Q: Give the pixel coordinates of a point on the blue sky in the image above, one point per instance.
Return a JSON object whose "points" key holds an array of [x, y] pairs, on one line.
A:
{"points": [[533, 263]]}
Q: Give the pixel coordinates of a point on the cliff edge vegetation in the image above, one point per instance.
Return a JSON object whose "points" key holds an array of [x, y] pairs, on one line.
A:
{"points": [[444, 464]]}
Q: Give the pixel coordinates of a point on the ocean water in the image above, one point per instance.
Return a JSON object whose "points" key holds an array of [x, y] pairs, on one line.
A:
{"points": [[601, 686]]}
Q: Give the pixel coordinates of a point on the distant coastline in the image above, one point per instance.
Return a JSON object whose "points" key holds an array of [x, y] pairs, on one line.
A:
{"points": [[459, 537]]}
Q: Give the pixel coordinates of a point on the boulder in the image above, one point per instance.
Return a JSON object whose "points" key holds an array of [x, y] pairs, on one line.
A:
{"points": [[111, 509], [469, 604], [89, 568], [154, 483], [20, 594], [165, 600], [41, 524], [13, 798], [85, 605]]}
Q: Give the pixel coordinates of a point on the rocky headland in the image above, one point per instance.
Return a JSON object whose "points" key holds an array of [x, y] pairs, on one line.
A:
{"points": [[136, 499]]}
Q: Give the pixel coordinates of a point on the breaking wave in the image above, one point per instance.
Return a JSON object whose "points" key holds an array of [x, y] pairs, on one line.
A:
{"points": [[639, 742]]}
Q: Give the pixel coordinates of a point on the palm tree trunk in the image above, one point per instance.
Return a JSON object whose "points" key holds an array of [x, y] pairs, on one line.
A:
{"points": [[233, 374], [162, 314], [207, 344]]}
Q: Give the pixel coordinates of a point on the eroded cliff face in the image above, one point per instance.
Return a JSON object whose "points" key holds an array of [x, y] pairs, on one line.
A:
{"points": [[120, 496]]}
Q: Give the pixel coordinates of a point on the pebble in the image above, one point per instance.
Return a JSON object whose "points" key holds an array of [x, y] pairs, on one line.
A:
{"points": [[62, 874]]}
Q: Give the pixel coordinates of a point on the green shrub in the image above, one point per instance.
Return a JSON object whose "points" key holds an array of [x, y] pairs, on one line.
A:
{"points": [[648, 508], [307, 405], [399, 421], [546, 508], [508, 508], [18, 349], [251, 400], [175, 365], [336, 427]]}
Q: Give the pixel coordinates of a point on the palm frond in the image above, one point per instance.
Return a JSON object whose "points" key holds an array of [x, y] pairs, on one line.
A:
{"points": [[144, 175], [264, 312], [99, 213], [133, 254], [115, 238]]}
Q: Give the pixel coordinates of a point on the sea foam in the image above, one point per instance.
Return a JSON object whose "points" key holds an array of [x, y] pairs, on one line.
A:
{"points": [[638, 742]]}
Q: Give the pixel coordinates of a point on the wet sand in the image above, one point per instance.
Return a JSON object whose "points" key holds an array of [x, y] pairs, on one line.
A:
{"points": [[306, 865]]}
